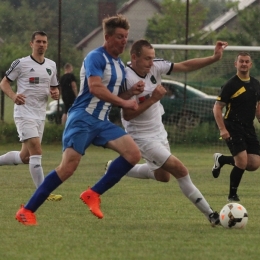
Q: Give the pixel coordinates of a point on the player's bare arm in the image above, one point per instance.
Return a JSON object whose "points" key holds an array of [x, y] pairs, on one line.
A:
{"points": [[97, 88], [157, 94], [18, 99], [198, 63], [74, 88], [136, 89], [217, 111], [257, 111]]}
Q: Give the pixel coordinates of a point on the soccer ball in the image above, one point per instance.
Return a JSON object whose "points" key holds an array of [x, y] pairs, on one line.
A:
{"points": [[233, 215]]}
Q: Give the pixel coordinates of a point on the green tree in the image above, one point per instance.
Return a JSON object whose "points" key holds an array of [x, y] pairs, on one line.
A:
{"points": [[170, 25], [217, 8], [244, 33], [17, 24], [79, 17]]}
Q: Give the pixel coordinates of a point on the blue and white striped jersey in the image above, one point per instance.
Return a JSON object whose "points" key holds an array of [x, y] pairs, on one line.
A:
{"points": [[111, 71]]}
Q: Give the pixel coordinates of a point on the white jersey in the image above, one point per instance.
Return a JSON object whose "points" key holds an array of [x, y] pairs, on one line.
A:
{"points": [[33, 81], [149, 123]]}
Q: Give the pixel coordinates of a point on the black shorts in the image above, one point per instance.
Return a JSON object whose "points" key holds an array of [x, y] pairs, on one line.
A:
{"points": [[242, 138], [67, 104]]}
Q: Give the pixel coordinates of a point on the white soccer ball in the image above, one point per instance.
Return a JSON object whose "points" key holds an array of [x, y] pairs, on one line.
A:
{"points": [[233, 215]]}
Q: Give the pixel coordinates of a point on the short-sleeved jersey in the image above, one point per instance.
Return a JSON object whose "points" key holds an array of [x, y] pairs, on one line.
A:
{"points": [[111, 71], [241, 98], [33, 81], [149, 123], [66, 88]]}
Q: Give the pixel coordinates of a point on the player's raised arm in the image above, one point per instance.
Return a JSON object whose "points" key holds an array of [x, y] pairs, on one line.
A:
{"points": [[198, 63]]}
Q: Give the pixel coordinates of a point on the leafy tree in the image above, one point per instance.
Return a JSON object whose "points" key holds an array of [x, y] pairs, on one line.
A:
{"points": [[79, 17], [170, 26], [245, 32], [217, 8], [17, 23]]}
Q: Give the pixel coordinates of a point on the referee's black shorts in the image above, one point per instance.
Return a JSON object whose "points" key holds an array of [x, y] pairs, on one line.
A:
{"points": [[242, 138]]}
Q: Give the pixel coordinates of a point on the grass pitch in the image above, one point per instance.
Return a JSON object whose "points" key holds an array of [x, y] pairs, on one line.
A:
{"points": [[143, 219]]}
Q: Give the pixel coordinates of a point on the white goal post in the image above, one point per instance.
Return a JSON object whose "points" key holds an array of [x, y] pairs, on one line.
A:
{"points": [[203, 47], [213, 75]]}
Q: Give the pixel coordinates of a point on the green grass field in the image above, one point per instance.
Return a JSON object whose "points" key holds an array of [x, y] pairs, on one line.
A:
{"points": [[143, 219]]}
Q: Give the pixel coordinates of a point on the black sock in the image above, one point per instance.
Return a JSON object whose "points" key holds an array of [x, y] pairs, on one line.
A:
{"points": [[235, 178], [226, 160]]}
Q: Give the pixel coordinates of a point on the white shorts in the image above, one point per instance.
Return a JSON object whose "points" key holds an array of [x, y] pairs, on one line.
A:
{"points": [[28, 128], [154, 151]]}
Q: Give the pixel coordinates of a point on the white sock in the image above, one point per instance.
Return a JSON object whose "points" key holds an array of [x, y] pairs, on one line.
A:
{"points": [[11, 158], [194, 195], [141, 171], [36, 170]]}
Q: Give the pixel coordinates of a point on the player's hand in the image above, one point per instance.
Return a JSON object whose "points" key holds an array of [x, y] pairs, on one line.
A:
{"points": [[138, 88], [55, 93], [224, 134], [158, 93], [131, 104], [19, 99], [219, 48]]}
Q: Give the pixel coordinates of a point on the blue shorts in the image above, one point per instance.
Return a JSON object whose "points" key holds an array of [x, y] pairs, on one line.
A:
{"points": [[82, 129]]}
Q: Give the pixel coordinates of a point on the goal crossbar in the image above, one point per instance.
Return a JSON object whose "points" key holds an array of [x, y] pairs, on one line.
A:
{"points": [[202, 47]]}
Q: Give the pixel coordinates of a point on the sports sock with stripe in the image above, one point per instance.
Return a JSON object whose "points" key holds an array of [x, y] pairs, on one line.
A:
{"points": [[50, 183], [117, 169], [194, 195]]}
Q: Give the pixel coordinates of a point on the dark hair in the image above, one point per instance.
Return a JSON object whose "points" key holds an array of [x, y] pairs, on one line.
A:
{"points": [[243, 53], [138, 45], [42, 33], [111, 23]]}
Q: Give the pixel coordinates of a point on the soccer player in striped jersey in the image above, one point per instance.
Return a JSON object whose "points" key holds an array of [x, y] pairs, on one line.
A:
{"points": [[36, 81], [102, 74], [145, 124]]}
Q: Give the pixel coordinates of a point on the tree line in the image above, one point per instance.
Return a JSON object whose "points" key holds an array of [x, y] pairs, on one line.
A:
{"points": [[19, 18]]}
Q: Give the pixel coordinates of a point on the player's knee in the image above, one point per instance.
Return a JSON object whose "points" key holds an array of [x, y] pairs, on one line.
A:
{"points": [[163, 177], [134, 157], [180, 172], [65, 172], [25, 159]]}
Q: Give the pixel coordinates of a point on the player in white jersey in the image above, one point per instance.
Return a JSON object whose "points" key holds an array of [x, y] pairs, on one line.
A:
{"points": [[145, 124], [36, 81], [102, 74]]}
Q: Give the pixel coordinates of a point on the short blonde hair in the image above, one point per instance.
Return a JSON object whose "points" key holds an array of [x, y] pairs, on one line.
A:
{"points": [[111, 23], [67, 66]]}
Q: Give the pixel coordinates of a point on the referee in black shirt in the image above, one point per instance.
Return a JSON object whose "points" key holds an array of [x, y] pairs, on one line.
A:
{"points": [[240, 95]]}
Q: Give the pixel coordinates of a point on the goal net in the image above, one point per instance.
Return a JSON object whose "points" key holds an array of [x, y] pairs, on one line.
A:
{"points": [[188, 116]]}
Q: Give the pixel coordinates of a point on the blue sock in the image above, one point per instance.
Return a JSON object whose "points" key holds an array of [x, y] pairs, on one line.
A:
{"points": [[117, 169], [50, 183]]}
